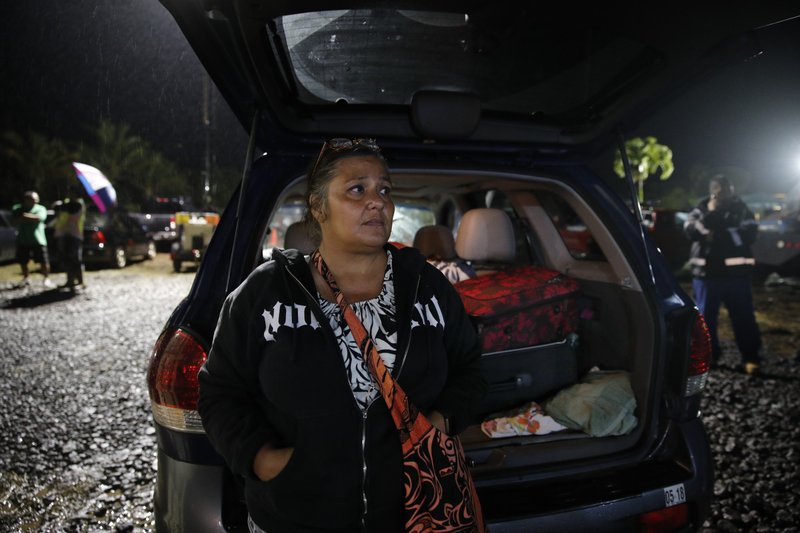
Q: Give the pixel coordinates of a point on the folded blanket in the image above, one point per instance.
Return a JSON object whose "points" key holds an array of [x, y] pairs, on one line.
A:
{"points": [[529, 419], [601, 404]]}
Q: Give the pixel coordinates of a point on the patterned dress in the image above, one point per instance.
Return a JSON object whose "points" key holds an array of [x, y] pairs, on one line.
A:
{"points": [[379, 319]]}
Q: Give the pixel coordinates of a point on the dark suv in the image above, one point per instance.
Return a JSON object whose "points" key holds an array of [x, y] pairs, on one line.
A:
{"points": [[475, 106]]}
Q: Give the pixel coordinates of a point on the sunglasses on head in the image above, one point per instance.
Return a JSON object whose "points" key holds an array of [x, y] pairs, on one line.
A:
{"points": [[340, 144]]}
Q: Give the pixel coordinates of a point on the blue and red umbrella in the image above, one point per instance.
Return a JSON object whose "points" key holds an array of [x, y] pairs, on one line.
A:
{"points": [[97, 186]]}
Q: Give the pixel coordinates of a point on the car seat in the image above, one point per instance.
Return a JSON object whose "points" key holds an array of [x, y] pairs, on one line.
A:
{"points": [[297, 237], [437, 244], [486, 240]]}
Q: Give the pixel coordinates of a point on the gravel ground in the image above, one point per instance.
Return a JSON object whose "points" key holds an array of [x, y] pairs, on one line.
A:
{"points": [[754, 421], [77, 440], [78, 445]]}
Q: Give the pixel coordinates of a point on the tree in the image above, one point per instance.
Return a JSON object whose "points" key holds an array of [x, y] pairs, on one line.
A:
{"points": [[647, 157], [35, 162], [136, 169]]}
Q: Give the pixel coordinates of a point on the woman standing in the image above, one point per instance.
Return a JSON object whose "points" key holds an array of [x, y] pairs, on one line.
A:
{"points": [[286, 396]]}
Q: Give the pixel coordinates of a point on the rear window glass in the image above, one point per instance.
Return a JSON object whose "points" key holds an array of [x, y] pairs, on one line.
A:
{"points": [[407, 220], [95, 220], [522, 64], [573, 231]]}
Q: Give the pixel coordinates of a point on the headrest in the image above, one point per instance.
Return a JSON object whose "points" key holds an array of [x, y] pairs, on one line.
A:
{"points": [[297, 237], [435, 242], [486, 234]]}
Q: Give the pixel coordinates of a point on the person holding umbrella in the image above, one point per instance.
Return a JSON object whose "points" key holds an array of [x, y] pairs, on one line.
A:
{"points": [[68, 229]]}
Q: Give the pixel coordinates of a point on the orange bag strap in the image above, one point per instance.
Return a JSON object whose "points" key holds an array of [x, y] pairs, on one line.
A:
{"points": [[411, 425]]}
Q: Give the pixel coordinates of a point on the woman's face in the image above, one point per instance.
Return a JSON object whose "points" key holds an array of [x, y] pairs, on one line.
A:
{"points": [[359, 206]]}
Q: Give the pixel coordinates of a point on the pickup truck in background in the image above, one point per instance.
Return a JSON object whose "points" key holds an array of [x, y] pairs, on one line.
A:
{"points": [[158, 219]]}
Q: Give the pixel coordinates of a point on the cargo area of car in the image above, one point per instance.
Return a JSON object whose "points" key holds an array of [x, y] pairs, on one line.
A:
{"points": [[616, 338], [615, 331]]}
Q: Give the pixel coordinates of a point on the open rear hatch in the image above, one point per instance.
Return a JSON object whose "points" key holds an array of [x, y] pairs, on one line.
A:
{"points": [[541, 77]]}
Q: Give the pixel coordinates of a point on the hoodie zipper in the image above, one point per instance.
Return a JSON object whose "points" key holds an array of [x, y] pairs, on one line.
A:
{"points": [[408, 342], [364, 467], [363, 411]]}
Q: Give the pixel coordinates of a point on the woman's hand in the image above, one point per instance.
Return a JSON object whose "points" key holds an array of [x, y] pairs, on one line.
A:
{"points": [[269, 462]]}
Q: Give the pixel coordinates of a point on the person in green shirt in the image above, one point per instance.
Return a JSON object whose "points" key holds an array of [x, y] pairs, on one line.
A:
{"points": [[29, 218]]}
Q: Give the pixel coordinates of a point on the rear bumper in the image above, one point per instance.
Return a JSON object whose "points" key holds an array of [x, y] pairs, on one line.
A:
{"points": [[618, 509], [189, 496], [165, 236], [94, 254]]}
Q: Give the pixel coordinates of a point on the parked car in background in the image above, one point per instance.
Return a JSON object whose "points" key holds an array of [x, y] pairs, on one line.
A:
{"points": [[475, 106], [114, 239], [8, 237], [158, 218], [777, 247]]}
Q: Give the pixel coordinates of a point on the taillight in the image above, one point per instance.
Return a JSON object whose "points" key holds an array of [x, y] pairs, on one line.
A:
{"points": [[668, 519], [172, 222], [172, 380], [98, 237], [699, 357]]}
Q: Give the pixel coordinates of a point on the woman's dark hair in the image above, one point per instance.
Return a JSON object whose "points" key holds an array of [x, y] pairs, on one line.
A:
{"points": [[719, 183], [323, 170]]}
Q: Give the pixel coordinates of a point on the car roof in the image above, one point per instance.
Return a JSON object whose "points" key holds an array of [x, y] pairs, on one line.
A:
{"points": [[469, 72]]}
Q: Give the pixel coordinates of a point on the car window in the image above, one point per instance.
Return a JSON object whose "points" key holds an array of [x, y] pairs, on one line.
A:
{"points": [[573, 231], [346, 56], [94, 219], [285, 216], [408, 218], [133, 226], [118, 224]]}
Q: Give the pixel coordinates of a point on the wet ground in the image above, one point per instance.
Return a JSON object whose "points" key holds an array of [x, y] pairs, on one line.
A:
{"points": [[753, 422], [77, 445]]}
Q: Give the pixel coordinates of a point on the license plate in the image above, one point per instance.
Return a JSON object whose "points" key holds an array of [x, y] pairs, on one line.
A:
{"points": [[674, 495]]}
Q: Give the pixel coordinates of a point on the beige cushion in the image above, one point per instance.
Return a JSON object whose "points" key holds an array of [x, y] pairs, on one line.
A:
{"points": [[435, 242], [486, 234], [297, 237]]}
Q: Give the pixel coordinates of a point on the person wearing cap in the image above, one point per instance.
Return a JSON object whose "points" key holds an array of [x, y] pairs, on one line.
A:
{"points": [[722, 230], [29, 218]]}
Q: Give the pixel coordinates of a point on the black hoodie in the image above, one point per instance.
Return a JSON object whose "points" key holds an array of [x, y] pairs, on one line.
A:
{"points": [[275, 375], [721, 239]]}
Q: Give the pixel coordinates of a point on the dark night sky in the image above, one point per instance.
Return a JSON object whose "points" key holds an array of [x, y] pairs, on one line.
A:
{"points": [[746, 116], [66, 64]]}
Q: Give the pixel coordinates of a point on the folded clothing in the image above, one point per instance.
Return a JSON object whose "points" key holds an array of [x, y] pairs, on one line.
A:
{"points": [[530, 419], [601, 404]]}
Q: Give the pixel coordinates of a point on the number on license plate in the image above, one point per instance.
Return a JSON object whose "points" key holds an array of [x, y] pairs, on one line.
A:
{"points": [[674, 495]]}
